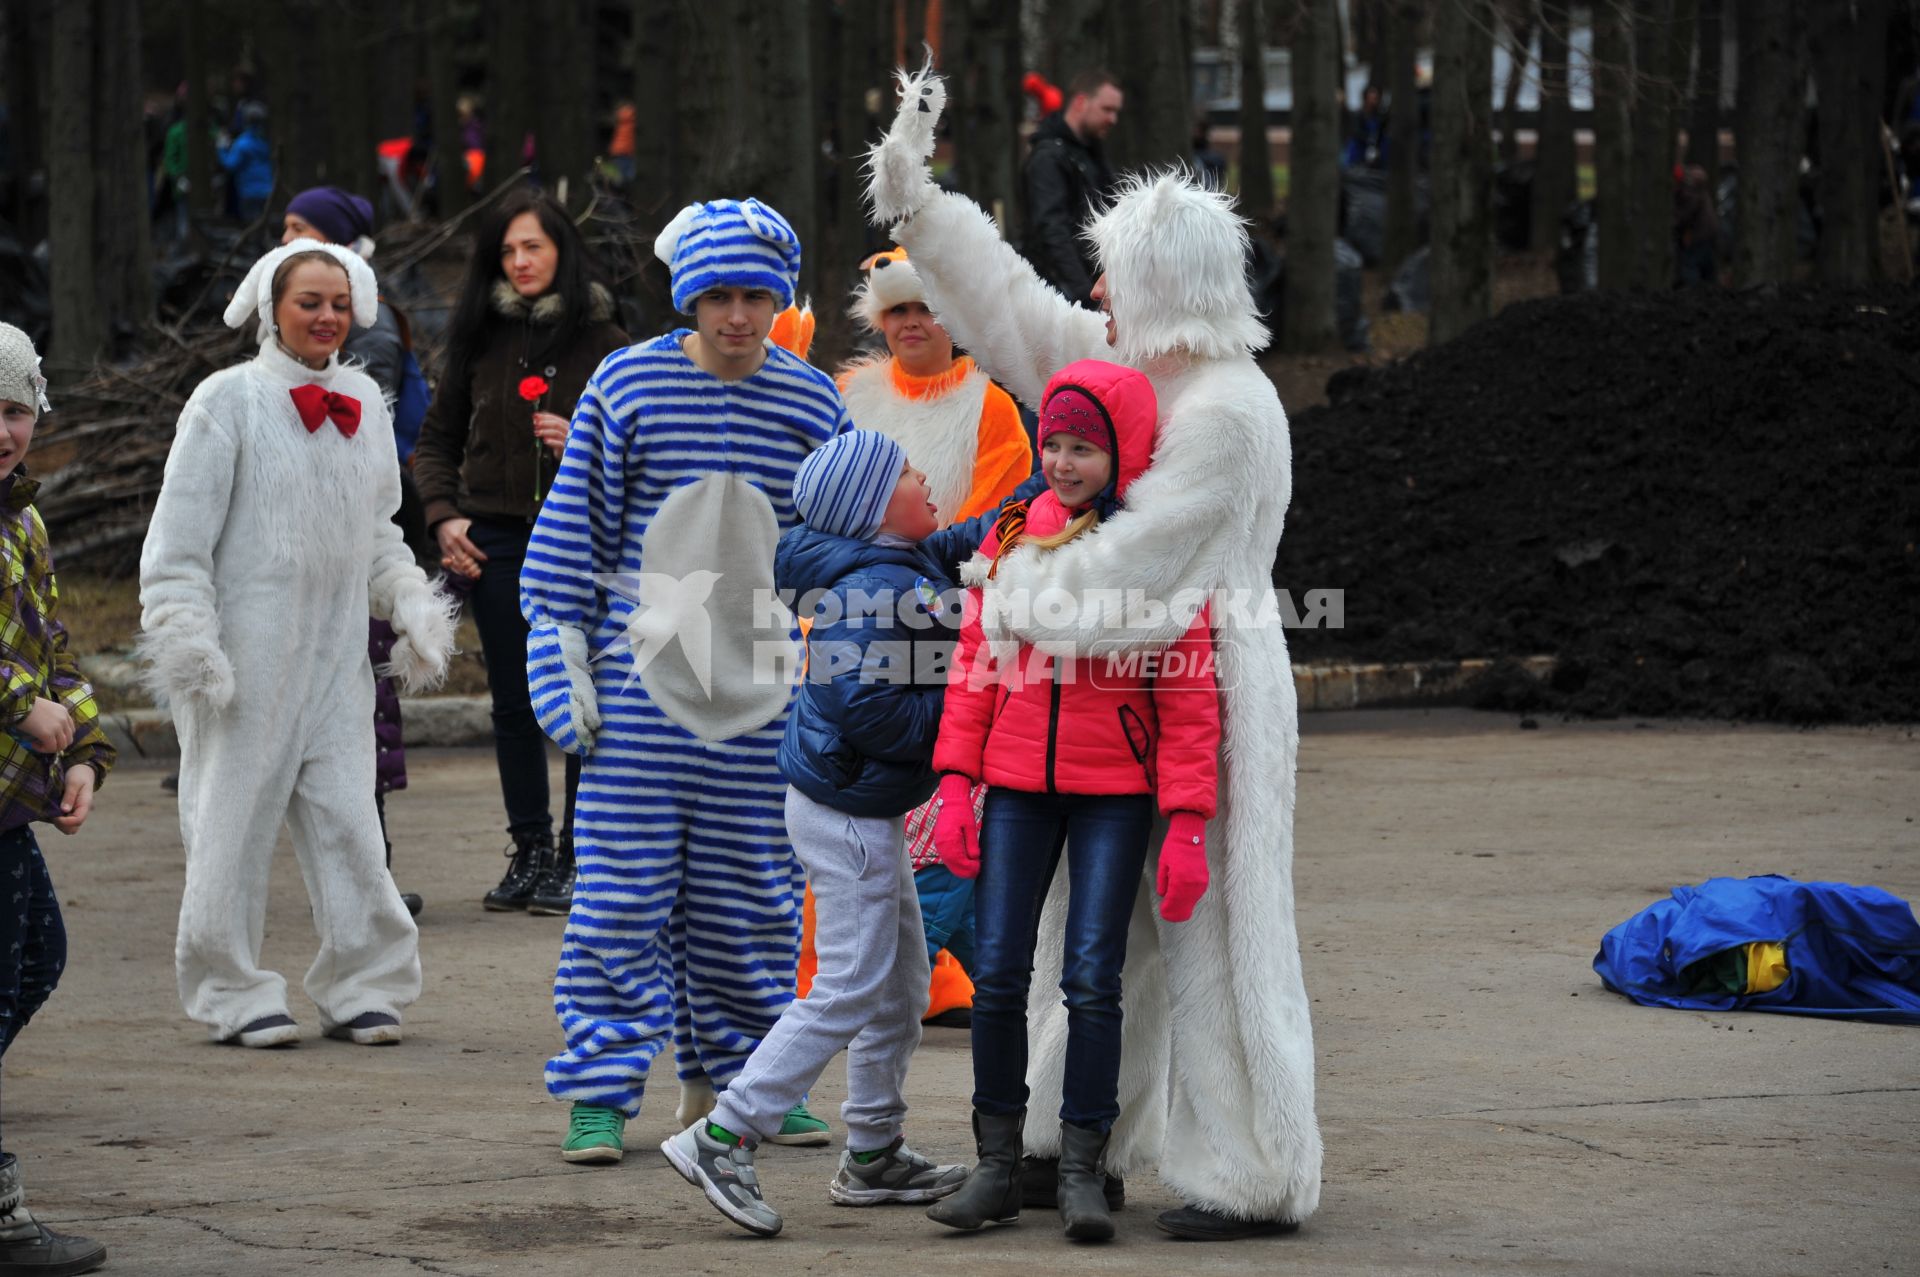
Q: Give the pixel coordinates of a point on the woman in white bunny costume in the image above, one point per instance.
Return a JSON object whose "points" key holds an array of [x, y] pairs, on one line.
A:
{"points": [[271, 541], [1217, 1076]]}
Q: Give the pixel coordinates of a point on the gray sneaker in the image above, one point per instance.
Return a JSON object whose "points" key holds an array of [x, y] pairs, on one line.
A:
{"points": [[898, 1175], [724, 1172]]}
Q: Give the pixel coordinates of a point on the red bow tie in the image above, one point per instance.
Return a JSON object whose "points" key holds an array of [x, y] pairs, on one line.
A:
{"points": [[317, 404]]}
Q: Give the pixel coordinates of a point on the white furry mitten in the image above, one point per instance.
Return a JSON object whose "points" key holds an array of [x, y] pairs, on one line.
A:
{"points": [[584, 705], [900, 183], [185, 664], [424, 620]]}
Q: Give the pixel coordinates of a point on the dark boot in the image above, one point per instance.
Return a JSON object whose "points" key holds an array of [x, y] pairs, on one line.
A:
{"points": [[992, 1190], [1196, 1223], [1082, 1191], [1042, 1181], [29, 1246], [553, 893], [527, 857]]}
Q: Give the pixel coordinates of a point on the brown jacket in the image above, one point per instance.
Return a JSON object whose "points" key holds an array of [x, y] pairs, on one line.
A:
{"points": [[477, 454]]}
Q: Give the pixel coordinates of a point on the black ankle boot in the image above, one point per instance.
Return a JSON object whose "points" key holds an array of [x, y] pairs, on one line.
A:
{"points": [[1041, 1183], [991, 1193], [553, 893], [526, 858], [1082, 1191]]}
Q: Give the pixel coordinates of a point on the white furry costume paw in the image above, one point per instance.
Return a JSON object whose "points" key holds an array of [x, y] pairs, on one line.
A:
{"points": [[900, 183], [185, 663], [583, 705], [424, 620]]}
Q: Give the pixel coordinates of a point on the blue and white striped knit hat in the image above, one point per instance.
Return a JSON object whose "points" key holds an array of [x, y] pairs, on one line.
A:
{"points": [[843, 487], [729, 244]]}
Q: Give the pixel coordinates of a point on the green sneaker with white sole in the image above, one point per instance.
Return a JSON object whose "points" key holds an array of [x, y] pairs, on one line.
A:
{"points": [[594, 1135], [801, 1129]]}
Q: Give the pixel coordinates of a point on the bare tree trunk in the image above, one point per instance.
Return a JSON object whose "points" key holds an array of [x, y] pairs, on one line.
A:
{"points": [[1555, 178], [449, 148], [745, 148], [1767, 142], [1462, 167], [123, 245], [349, 142], [1652, 147], [914, 13], [1147, 50], [199, 138], [983, 86], [511, 99], [79, 320], [1517, 21], [659, 186], [1313, 200], [1849, 66], [1256, 154], [563, 94], [26, 74], [1075, 38], [1703, 125], [299, 101], [1612, 143], [1404, 18], [1369, 19]]}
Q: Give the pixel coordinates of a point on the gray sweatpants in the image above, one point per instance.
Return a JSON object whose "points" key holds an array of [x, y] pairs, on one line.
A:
{"points": [[868, 992]]}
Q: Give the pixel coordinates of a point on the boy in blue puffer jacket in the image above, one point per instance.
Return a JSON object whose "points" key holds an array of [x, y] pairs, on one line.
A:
{"points": [[868, 567]]}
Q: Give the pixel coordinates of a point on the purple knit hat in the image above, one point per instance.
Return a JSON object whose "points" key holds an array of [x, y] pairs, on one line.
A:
{"points": [[340, 216]]}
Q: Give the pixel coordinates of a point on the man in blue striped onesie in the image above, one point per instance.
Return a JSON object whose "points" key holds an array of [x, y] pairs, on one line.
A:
{"points": [[654, 655]]}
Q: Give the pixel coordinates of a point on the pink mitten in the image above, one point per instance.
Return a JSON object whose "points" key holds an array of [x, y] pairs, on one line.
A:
{"points": [[1183, 866], [956, 836]]}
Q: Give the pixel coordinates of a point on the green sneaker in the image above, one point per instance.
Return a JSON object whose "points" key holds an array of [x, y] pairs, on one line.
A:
{"points": [[593, 1135], [802, 1129]]}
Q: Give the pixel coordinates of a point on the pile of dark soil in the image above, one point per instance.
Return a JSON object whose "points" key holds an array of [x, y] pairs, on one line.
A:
{"points": [[1704, 504]]}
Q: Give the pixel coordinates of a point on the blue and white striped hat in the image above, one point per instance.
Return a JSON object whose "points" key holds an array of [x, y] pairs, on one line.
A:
{"points": [[729, 244], [843, 487]]}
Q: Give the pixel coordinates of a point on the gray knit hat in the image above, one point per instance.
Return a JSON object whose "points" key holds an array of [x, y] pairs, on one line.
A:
{"points": [[20, 377]]}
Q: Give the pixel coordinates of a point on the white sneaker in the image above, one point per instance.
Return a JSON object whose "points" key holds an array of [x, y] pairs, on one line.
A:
{"points": [[724, 1172]]}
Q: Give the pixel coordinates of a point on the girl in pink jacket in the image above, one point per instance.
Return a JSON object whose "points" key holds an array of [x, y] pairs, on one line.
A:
{"points": [[1076, 754]]}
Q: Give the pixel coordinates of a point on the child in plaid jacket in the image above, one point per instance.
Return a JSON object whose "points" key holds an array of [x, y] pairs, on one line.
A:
{"points": [[52, 758]]}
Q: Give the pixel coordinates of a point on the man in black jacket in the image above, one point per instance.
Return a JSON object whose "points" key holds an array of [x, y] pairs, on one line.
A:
{"points": [[1067, 179]]}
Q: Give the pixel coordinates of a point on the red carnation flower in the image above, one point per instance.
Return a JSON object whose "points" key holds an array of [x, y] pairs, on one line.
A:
{"points": [[532, 388]]}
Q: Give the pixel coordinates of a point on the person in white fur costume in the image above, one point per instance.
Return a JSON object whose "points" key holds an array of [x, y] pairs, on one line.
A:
{"points": [[271, 541], [1217, 1076]]}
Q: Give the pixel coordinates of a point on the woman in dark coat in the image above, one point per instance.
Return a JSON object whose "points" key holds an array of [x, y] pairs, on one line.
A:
{"points": [[532, 324]]}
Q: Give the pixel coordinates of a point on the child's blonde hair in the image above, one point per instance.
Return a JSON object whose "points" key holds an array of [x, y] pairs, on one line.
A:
{"points": [[1011, 528]]}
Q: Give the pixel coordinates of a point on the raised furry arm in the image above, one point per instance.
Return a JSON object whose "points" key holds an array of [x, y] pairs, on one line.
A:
{"points": [[1017, 327]]}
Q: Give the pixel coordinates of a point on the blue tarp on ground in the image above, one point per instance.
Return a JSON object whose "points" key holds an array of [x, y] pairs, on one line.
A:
{"points": [[1851, 951]]}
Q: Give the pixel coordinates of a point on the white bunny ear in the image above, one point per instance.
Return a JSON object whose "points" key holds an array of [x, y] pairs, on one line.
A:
{"points": [[247, 298], [362, 284], [668, 240]]}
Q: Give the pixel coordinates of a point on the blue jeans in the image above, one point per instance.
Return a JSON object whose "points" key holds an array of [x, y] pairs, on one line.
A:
{"points": [[33, 939], [1021, 836]]}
